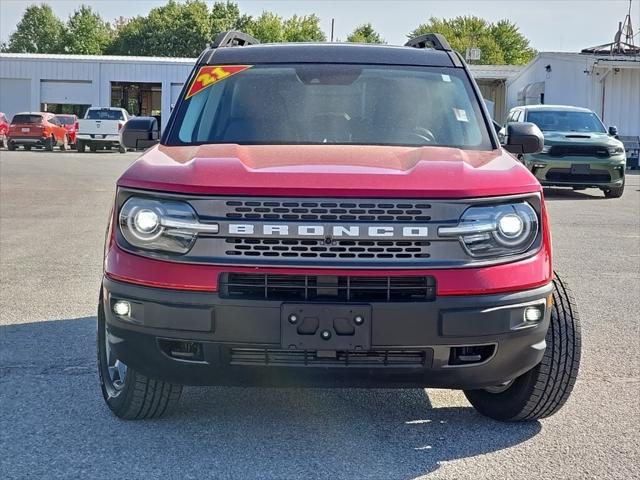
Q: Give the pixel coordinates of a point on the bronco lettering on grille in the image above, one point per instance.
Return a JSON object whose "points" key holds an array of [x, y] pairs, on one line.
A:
{"points": [[338, 231]]}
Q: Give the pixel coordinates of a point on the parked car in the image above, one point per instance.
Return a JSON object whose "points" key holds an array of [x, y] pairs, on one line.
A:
{"points": [[37, 129], [70, 123], [308, 219], [4, 128], [578, 151], [100, 129]]}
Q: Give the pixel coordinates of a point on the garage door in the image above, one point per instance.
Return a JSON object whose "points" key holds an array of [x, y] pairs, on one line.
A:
{"points": [[15, 96], [64, 92]]}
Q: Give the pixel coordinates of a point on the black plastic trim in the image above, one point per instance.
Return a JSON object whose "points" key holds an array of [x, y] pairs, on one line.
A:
{"points": [[434, 327]]}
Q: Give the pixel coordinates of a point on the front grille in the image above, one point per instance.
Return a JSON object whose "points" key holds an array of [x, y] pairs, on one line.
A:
{"points": [[386, 234], [301, 358], [579, 151], [565, 175], [337, 249], [327, 288], [364, 211]]}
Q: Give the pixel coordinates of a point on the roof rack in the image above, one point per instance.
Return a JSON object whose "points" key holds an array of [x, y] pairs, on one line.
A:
{"points": [[233, 39], [430, 40]]}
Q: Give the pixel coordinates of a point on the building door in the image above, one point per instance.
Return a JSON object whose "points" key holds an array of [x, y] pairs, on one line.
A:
{"points": [[139, 99], [15, 96]]}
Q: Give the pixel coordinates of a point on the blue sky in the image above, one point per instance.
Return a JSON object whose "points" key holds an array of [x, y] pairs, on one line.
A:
{"points": [[551, 25]]}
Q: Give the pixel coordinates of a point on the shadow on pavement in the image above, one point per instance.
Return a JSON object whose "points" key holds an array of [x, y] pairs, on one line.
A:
{"points": [[54, 423]]}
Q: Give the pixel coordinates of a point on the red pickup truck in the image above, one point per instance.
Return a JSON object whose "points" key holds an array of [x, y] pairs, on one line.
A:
{"points": [[37, 129], [333, 215]]}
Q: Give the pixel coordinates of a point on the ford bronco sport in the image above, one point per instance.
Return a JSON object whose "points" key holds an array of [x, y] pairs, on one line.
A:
{"points": [[333, 215]]}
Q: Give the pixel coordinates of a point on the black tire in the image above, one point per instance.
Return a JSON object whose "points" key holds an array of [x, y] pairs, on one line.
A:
{"points": [[139, 397], [48, 144], [80, 146], [614, 192], [121, 149], [93, 147], [3, 141], [27, 148], [11, 146], [544, 389]]}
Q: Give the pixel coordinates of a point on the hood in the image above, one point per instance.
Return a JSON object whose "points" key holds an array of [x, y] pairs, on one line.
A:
{"points": [[580, 138], [329, 170]]}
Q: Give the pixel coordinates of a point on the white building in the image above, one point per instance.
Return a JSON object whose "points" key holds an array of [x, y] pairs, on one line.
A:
{"points": [[607, 84], [73, 83], [150, 85]]}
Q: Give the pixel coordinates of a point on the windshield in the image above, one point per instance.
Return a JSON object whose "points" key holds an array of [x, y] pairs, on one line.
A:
{"points": [[27, 119], [566, 121], [331, 104], [105, 115], [65, 119]]}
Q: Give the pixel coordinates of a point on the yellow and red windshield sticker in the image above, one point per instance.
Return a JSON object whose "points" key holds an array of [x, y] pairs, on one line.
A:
{"points": [[212, 74]]}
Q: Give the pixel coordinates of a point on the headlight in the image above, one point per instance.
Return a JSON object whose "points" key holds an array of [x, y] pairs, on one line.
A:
{"points": [[615, 150], [496, 230], [161, 225]]}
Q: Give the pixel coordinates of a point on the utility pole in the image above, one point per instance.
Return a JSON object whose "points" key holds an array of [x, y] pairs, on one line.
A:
{"points": [[333, 22]]}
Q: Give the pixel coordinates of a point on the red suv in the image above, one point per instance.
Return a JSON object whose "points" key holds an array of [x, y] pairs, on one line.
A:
{"points": [[333, 215], [37, 129]]}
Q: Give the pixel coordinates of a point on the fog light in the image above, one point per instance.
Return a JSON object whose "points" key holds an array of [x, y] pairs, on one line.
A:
{"points": [[532, 314], [122, 308]]}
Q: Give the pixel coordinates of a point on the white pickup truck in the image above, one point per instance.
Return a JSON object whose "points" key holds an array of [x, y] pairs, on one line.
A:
{"points": [[100, 128]]}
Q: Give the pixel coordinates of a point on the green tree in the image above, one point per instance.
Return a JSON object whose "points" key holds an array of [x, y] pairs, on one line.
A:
{"points": [[515, 47], [87, 33], [227, 16], [304, 28], [499, 43], [128, 37], [173, 30], [272, 28], [365, 34], [268, 28], [38, 31]]}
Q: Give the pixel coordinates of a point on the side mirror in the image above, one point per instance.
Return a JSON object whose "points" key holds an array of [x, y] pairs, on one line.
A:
{"points": [[613, 131], [523, 137], [140, 133]]}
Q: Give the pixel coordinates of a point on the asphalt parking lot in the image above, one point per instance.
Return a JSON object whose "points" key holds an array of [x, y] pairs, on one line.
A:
{"points": [[53, 212]]}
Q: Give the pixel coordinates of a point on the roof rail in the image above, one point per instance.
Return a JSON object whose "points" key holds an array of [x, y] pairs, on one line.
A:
{"points": [[430, 40], [233, 39]]}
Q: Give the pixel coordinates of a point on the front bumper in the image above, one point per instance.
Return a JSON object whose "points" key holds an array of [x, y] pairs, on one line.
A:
{"points": [[459, 342], [578, 171]]}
